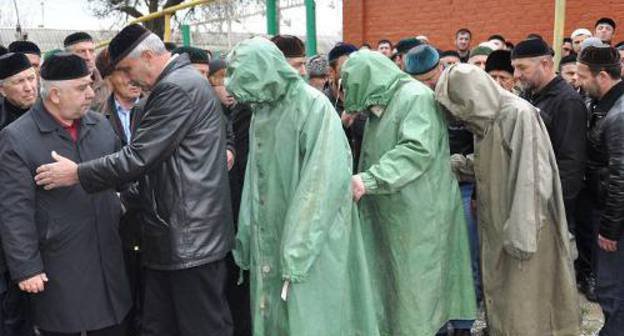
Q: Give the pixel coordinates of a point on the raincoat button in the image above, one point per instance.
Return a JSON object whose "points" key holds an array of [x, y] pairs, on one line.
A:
{"points": [[266, 268]]}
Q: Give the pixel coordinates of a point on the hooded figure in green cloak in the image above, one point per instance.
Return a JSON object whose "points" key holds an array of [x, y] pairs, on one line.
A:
{"points": [[411, 212], [299, 235], [526, 262]]}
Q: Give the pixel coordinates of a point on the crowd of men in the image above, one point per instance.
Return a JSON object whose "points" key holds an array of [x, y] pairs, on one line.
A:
{"points": [[154, 190]]}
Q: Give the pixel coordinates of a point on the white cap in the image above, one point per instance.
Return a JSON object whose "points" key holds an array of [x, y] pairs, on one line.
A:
{"points": [[581, 31]]}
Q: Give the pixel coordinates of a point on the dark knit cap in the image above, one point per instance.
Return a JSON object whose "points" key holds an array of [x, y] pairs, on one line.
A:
{"points": [[620, 46], [531, 48], [421, 59], [12, 64], [102, 63], [605, 20], [339, 50], [24, 47], [3, 50], [77, 37], [196, 55], [125, 41], [600, 57], [406, 44], [170, 46], [568, 59], [499, 60], [448, 53], [64, 66], [291, 46]]}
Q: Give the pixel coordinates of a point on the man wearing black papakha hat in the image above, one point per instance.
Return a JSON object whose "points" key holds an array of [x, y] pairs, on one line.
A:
{"points": [[599, 76], [82, 44], [498, 66], [18, 89], [567, 70], [294, 50], [178, 156], [562, 109], [62, 246], [30, 49]]}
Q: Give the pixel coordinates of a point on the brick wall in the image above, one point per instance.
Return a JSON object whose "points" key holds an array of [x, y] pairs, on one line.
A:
{"points": [[372, 20]]}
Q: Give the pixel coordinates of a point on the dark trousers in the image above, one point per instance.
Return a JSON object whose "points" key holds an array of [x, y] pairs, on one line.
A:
{"points": [[610, 285], [585, 234], [238, 299], [118, 330], [134, 270], [16, 318], [188, 302]]}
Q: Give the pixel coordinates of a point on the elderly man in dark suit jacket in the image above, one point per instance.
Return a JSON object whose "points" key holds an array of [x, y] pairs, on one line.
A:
{"points": [[62, 246]]}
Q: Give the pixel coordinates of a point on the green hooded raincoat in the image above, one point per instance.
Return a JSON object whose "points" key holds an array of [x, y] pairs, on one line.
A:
{"points": [[412, 216], [528, 278], [297, 220]]}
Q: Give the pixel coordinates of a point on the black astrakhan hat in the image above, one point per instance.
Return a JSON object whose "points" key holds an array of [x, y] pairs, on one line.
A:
{"points": [[600, 56], [499, 60], [64, 66], [78, 37], [125, 41], [531, 48], [568, 59], [24, 47], [196, 55], [291, 46], [3, 50], [12, 64], [606, 20]]}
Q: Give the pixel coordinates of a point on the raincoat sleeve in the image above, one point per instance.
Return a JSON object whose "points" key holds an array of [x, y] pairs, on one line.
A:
{"points": [[412, 155], [521, 228], [323, 188], [20, 238], [243, 235]]}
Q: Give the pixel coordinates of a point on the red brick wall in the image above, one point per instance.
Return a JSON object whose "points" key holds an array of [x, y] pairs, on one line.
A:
{"points": [[372, 20]]}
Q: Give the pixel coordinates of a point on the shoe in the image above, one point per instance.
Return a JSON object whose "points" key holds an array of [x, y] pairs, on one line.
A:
{"points": [[589, 288]]}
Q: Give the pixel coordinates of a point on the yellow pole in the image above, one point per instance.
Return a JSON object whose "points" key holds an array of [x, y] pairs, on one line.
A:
{"points": [[560, 6], [167, 33]]}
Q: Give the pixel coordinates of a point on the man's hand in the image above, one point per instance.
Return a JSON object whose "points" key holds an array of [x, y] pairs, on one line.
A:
{"points": [[230, 159], [347, 119], [35, 284], [357, 186], [62, 173], [607, 244]]}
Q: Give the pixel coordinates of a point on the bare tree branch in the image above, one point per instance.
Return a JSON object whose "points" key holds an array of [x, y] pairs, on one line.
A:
{"points": [[132, 11]]}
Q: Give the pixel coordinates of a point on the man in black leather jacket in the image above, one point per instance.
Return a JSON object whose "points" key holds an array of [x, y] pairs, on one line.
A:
{"points": [[599, 74], [178, 155]]}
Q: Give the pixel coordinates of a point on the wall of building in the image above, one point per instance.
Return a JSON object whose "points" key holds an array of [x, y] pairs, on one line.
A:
{"points": [[372, 20]]}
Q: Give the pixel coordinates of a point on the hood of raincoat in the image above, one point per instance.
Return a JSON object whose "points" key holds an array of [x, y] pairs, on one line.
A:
{"points": [[471, 96], [370, 79], [258, 72]]}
